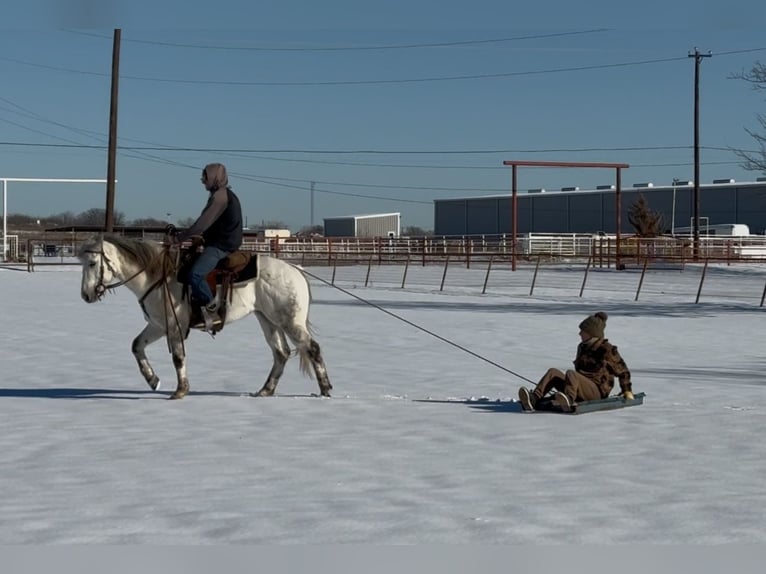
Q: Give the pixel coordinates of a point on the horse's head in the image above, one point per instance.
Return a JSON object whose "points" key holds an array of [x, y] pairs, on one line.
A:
{"points": [[111, 261], [97, 270]]}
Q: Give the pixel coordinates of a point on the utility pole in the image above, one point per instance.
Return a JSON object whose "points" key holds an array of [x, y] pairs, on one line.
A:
{"points": [[112, 154], [697, 61], [312, 204]]}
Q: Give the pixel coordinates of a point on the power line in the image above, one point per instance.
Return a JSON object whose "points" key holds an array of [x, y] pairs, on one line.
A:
{"points": [[349, 48], [364, 151], [241, 83]]}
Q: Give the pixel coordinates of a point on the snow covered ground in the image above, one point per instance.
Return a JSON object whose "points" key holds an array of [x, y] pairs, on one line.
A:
{"points": [[422, 441]]}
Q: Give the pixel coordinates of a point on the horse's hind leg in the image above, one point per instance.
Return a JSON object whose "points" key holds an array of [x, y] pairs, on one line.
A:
{"points": [[281, 351], [310, 354], [149, 335]]}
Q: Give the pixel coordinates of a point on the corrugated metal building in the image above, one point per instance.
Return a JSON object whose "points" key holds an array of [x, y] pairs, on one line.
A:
{"points": [[591, 211], [375, 225]]}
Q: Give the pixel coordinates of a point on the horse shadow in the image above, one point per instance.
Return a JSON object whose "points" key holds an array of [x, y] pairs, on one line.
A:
{"points": [[483, 404], [100, 393]]}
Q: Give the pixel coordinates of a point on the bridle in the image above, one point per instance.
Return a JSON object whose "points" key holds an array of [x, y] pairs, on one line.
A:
{"points": [[101, 287]]}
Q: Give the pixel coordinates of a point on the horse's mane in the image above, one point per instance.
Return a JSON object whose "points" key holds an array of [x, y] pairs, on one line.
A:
{"points": [[150, 255]]}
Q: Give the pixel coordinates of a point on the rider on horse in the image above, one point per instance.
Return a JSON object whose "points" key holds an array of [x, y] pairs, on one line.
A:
{"points": [[220, 225]]}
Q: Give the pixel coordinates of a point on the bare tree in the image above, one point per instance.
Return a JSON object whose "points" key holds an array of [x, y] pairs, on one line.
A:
{"points": [[149, 222], [646, 222], [311, 230], [97, 216], [186, 222], [415, 231], [755, 160]]}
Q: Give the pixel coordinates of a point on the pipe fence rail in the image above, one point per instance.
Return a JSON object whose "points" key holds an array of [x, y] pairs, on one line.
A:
{"points": [[601, 250]]}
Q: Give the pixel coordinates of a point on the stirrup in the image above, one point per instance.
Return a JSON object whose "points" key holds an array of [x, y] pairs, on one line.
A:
{"points": [[212, 319]]}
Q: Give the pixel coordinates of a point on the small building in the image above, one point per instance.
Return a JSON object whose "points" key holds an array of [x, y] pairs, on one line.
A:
{"points": [[375, 225], [272, 233]]}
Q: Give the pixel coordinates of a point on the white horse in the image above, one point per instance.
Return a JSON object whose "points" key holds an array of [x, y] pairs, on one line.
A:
{"points": [[279, 297]]}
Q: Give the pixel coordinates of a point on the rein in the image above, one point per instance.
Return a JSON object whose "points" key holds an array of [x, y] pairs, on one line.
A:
{"points": [[411, 324], [101, 288]]}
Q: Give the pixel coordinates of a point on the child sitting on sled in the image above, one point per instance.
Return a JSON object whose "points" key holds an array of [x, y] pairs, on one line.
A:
{"points": [[596, 365]]}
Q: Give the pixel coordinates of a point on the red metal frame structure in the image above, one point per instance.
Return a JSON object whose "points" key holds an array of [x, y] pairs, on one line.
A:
{"points": [[515, 164]]}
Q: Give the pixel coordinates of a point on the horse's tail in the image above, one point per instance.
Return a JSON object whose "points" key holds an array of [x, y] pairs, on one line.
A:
{"points": [[305, 361]]}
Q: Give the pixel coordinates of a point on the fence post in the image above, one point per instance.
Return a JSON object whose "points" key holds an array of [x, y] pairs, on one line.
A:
{"points": [[334, 268], [369, 265], [486, 277], [424, 251], [329, 250], [702, 280], [608, 252], [406, 266], [444, 275], [641, 281], [534, 277], [468, 244], [30, 265], [585, 277]]}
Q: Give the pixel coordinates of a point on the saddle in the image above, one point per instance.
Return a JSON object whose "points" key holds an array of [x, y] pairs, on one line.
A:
{"points": [[237, 267]]}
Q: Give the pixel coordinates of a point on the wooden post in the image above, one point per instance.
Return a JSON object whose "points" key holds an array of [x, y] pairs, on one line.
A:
{"points": [[702, 280], [585, 277], [486, 277], [534, 277], [30, 265], [111, 163], [608, 252], [369, 265], [444, 275], [641, 281], [468, 245], [334, 268], [424, 251], [514, 215], [406, 266]]}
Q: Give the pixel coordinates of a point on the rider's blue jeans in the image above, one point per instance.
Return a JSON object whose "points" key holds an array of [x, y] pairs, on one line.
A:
{"points": [[204, 264]]}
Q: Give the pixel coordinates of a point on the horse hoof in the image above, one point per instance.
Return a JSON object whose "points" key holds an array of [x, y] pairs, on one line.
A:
{"points": [[263, 393], [154, 383], [178, 395]]}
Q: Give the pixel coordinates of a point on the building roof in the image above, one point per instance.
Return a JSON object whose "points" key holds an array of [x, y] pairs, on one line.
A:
{"points": [[642, 187], [362, 216]]}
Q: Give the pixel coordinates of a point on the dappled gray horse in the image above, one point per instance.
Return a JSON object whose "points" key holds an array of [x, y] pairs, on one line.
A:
{"points": [[279, 297]]}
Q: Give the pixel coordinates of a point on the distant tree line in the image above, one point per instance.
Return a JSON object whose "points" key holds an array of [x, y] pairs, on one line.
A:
{"points": [[97, 216]]}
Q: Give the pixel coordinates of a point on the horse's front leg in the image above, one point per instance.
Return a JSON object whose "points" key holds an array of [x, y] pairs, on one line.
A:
{"points": [[179, 362], [149, 335]]}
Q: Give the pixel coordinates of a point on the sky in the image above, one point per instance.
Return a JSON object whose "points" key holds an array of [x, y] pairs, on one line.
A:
{"points": [[421, 443], [384, 107]]}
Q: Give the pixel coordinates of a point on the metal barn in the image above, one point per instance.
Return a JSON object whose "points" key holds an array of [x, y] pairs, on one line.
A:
{"points": [[591, 211], [375, 225]]}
